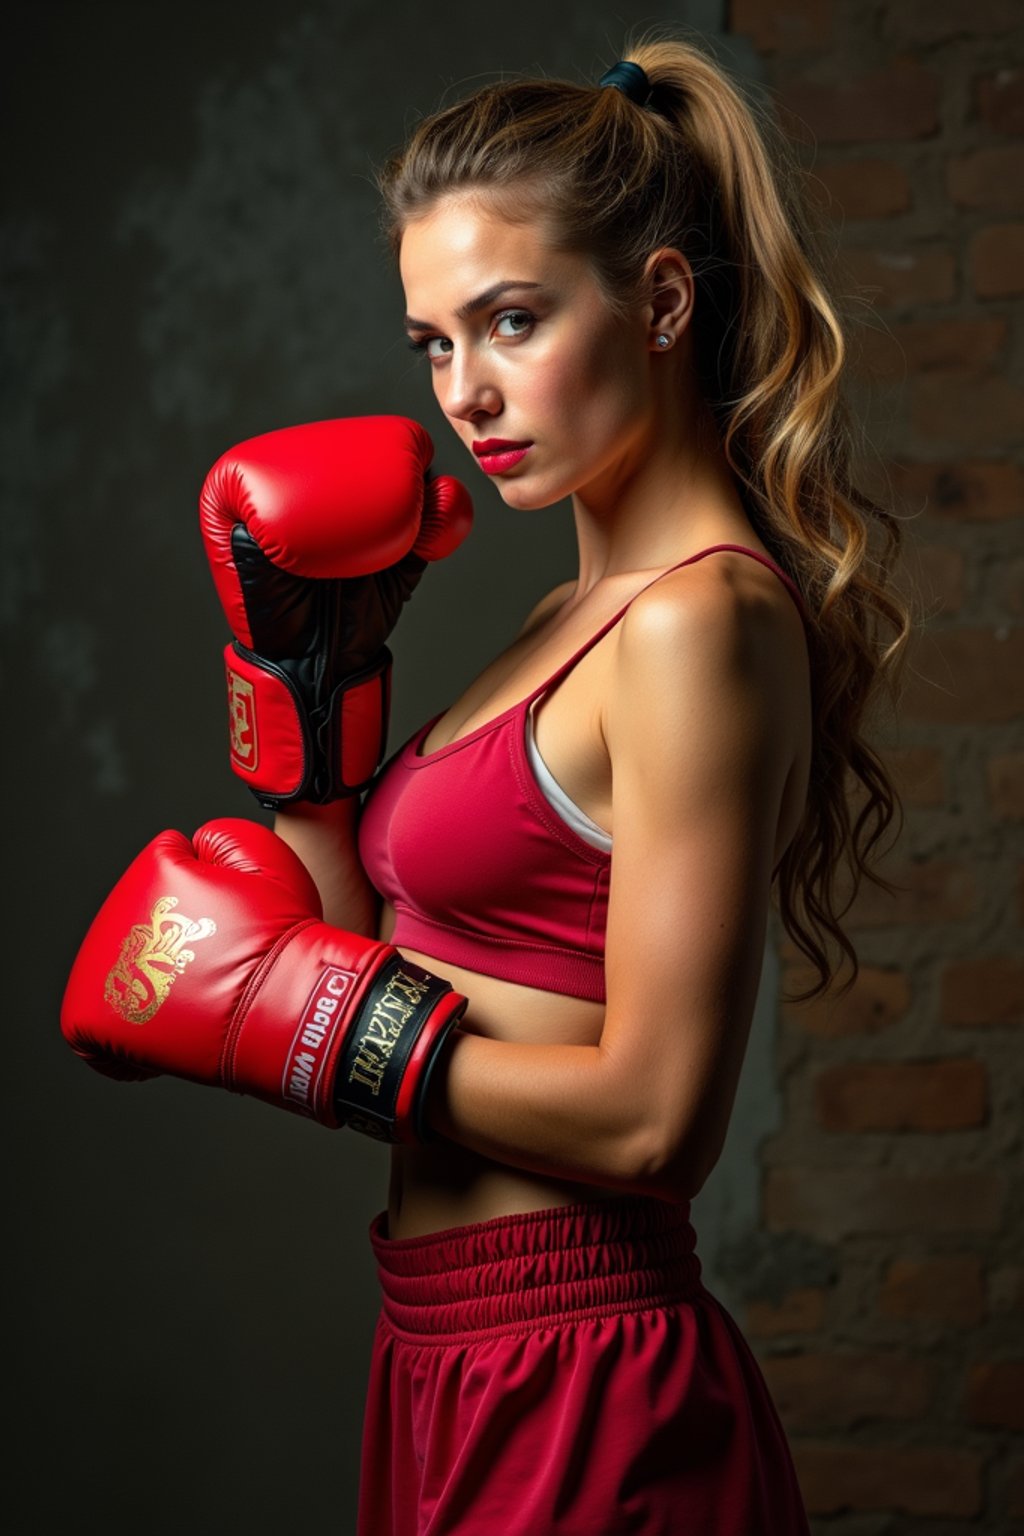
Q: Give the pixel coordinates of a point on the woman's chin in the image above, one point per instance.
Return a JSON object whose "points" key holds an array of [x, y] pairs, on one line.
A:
{"points": [[524, 497]]}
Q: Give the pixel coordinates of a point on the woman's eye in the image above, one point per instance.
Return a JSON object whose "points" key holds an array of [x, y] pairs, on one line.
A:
{"points": [[516, 314], [423, 345]]}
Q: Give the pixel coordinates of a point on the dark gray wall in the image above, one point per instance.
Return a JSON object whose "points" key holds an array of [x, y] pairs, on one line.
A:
{"points": [[190, 257]]}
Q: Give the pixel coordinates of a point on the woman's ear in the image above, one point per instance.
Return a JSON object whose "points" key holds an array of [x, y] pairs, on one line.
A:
{"points": [[670, 291]]}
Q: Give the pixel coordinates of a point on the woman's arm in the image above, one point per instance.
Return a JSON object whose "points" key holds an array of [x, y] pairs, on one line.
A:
{"points": [[324, 837], [700, 727]]}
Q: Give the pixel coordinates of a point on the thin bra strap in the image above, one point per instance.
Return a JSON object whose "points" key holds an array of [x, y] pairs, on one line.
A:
{"points": [[742, 549]]}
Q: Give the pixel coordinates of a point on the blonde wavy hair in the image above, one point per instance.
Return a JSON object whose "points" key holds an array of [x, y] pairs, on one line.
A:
{"points": [[704, 167]]}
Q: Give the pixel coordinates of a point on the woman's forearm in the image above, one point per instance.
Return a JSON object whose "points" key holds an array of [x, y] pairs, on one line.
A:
{"points": [[324, 837], [551, 1109]]}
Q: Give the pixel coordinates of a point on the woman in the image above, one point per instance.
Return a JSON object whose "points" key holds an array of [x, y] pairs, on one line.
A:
{"points": [[611, 287]]}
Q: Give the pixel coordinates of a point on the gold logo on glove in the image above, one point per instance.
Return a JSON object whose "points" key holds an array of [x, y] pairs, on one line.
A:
{"points": [[242, 715], [152, 956]]}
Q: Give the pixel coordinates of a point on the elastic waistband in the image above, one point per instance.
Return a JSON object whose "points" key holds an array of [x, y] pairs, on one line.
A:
{"points": [[561, 1264]]}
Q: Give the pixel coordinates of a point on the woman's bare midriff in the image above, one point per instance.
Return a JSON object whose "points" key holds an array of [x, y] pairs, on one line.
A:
{"points": [[443, 1184]]}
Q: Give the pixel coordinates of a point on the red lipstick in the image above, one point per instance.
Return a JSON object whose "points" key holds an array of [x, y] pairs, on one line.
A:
{"points": [[493, 444], [496, 454]]}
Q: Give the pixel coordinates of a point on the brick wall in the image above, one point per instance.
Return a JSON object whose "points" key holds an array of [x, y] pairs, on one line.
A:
{"points": [[891, 1325]]}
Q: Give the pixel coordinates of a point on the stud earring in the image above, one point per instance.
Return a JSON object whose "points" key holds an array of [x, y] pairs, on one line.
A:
{"points": [[664, 341]]}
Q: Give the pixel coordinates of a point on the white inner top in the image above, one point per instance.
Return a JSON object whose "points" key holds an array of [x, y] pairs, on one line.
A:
{"points": [[557, 798]]}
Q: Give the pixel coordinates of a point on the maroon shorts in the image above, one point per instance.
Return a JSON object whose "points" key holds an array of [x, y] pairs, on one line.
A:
{"points": [[565, 1373]]}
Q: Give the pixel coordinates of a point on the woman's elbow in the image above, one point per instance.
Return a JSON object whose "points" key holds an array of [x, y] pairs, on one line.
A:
{"points": [[674, 1170]]}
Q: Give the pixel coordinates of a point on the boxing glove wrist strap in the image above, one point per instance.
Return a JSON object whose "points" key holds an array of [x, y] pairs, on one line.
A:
{"points": [[389, 1053], [284, 751]]}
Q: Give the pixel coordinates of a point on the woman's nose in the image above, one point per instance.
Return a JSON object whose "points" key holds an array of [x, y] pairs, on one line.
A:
{"points": [[471, 385]]}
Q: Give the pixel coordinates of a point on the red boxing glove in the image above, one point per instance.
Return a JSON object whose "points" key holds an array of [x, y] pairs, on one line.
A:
{"points": [[209, 960], [317, 535]]}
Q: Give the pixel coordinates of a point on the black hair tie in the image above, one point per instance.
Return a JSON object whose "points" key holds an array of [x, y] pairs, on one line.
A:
{"points": [[629, 78]]}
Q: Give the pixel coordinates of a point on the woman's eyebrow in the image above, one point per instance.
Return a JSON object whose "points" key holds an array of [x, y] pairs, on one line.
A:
{"points": [[480, 302]]}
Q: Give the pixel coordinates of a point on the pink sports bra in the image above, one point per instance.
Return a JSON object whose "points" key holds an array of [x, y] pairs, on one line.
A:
{"points": [[478, 865]]}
